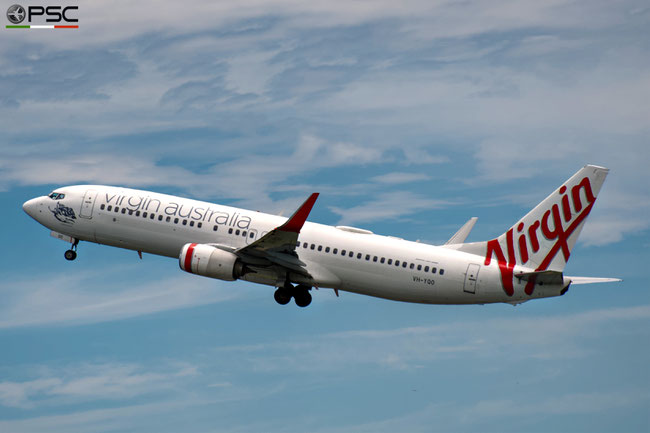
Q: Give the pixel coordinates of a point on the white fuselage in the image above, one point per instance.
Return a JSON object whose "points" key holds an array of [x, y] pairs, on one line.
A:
{"points": [[337, 258]]}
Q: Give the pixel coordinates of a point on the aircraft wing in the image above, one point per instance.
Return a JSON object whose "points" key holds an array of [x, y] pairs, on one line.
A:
{"points": [[278, 247]]}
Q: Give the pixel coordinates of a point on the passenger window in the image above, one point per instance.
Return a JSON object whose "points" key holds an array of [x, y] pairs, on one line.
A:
{"points": [[144, 214], [137, 213], [123, 210], [342, 252], [252, 235], [152, 216], [117, 209], [191, 223], [184, 222], [396, 262], [433, 270], [327, 249], [383, 259], [442, 272], [313, 246], [335, 251], [160, 218], [168, 219], [243, 233], [404, 264], [130, 211], [199, 225], [426, 269], [351, 254], [175, 220], [214, 229], [320, 248], [358, 255], [237, 232], [419, 267], [374, 259], [412, 265], [109, 207], [102, 207], [390, 261], [367, 256], [230, 231]]}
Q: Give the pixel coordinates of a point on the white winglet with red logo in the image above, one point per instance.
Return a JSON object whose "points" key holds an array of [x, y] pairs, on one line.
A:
{"points": [[543, 239]]}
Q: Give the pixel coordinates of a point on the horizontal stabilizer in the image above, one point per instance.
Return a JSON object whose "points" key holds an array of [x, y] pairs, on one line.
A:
{"points": [[542, 277], [591, 280], [462, 233]]}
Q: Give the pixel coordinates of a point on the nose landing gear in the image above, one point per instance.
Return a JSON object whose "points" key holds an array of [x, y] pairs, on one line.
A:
{"points": [[299, 293], [71, 254]]}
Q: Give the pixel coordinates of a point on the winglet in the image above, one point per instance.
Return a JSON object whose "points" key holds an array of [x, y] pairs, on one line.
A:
{"points": [[297, 220], [462, 233]]}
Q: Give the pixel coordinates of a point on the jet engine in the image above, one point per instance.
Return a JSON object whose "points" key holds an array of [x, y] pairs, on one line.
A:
{"points": [[209, 261]]}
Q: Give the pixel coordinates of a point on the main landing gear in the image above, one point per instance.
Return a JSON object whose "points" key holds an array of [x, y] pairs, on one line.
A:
{"points": [[71, 254], [299, 293]]}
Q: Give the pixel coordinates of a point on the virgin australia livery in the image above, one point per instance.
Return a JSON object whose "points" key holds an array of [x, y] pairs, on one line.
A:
{"points": [[526, 262]]}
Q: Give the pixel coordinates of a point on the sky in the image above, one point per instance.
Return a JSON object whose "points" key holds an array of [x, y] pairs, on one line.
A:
{"points": [[409, 118]]}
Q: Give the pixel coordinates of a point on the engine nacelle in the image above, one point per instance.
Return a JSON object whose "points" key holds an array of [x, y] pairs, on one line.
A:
{"points": [[209, 261]]}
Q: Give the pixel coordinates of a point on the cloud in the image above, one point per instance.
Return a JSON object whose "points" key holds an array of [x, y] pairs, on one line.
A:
{"points": [[89, 382], [572, 403], [400, 177], [542, 338], [607, 225], [72, 299], [390, 205], [248, 177], [64, 399], [122, 20], [94, 168], [502, 414], [611, 228], [38, 75]]}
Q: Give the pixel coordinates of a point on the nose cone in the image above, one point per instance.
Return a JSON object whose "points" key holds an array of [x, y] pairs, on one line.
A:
{"points": [[31, 207]]}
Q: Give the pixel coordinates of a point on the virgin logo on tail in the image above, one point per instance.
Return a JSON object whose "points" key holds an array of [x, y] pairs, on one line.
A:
{"points": [[557, 224]]}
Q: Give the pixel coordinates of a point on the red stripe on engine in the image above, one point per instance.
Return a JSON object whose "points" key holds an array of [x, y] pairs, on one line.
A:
{"points": [[188, 258]]}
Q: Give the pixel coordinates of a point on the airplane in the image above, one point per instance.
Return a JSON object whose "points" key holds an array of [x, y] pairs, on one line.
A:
{"points": [[295, 256]]}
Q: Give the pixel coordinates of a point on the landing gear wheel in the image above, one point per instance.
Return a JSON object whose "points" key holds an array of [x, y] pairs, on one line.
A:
{"points": [[302, 298], [282, 296], [70, 255]]}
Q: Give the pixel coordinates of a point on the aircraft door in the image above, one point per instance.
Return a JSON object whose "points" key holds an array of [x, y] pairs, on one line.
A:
{"points": [[88, 204], [471, 278]]}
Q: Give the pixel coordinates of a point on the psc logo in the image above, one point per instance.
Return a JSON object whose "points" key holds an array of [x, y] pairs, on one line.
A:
{"points": [[16, 14]]}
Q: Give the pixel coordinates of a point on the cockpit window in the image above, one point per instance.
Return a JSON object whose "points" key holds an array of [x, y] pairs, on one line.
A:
{"points": [[56, 196]]}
